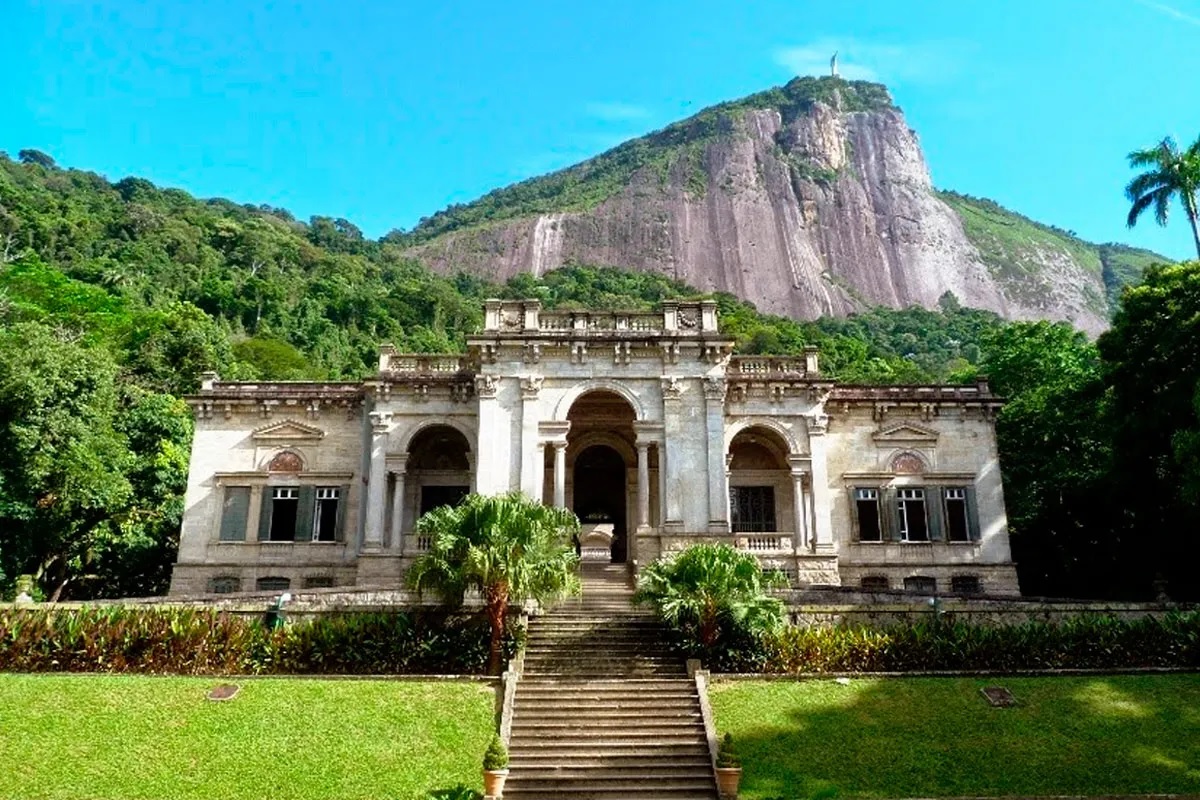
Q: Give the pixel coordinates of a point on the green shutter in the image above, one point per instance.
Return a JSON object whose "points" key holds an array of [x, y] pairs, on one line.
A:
{"points": [[972, 515], [889, 514], [343, 501], [234, 511], [264, 516], [935, 512], [304, 513], [856, 531]]}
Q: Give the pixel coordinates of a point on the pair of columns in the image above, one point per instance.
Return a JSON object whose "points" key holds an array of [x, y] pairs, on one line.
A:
{"points": [[643, 477]]}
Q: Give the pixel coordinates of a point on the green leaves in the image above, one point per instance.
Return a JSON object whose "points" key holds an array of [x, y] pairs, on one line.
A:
{"points": [[1172, 173], [710, 591]]}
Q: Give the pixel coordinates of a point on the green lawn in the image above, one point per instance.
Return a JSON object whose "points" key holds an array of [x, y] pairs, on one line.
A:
{"points": [[939, 737], [87, 736]]}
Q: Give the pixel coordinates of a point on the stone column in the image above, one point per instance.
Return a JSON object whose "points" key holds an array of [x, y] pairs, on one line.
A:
{"points": [[560, 474], [799, 512], [533, 469], [643, 487], [398, 510], [377, 481], [674, 433], [822, 534], [718, 485]]}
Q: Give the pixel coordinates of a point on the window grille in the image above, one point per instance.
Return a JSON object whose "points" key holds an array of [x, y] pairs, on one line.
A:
{"points": [[921, 584], [752, 508], [965, 584], [273, 584]]}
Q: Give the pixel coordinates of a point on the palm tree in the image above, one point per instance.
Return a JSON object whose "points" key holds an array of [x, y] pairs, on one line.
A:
{"points": [[508, 547], [1171, 173], [711, 586]]}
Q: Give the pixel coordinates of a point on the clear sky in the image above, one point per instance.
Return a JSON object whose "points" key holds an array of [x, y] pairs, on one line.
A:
{"points": [[384, 112]]}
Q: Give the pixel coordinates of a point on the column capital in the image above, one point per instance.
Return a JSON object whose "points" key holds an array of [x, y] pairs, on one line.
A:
{"points": [[558, 444], [380, 422]]}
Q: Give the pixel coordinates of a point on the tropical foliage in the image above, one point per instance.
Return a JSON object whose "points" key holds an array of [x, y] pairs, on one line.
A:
{"points": [[1170, 173], [1085, 642], [509, 548], [204, 642], [711, 593]]}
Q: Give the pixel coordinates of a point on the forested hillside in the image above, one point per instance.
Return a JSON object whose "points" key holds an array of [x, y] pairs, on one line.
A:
{"points": [[114, 297]]}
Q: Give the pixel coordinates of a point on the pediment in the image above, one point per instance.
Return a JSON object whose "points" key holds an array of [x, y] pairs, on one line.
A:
{"points": [[287, 430], [906, 433]]}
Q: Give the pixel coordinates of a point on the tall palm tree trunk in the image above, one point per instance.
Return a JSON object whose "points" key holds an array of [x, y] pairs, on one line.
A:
{"points": [[1189, 204], [496, 598]]}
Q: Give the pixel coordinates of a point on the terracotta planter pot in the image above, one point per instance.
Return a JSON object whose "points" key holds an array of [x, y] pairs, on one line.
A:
{"points": [[493, 782], [727, 781]]}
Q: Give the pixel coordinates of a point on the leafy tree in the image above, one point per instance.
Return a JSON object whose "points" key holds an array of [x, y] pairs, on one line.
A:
{"points": [[1171, 172], [508, 547], [1151, 361], [710, 590], [31, 156]]}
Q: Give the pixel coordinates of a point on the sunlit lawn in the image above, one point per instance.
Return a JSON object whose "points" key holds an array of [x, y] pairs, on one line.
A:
{"points": [[939, 737], [160, 739]]}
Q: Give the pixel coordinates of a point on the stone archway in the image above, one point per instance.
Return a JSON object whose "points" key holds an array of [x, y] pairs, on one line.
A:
{"points": [[602, 464]]}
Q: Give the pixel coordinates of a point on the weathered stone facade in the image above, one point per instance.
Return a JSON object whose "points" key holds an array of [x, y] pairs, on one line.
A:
{"points": [[644, 423]]}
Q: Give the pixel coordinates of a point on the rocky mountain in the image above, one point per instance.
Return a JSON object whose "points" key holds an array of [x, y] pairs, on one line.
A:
{"points": [[809, 199]]}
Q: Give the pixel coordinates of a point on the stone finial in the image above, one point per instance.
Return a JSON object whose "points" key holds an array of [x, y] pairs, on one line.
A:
{"points": [[812, 364], [207, 380], [981, 385]]}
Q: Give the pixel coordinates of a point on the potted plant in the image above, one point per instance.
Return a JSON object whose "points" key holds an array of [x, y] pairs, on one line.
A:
{"points": [[729, 768], [495, 767]]}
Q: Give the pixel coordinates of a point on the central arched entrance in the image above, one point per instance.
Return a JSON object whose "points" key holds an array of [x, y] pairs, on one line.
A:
{"points": [[600, 494], [602, 458]]}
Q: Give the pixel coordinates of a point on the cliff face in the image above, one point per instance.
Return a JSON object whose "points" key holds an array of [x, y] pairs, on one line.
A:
{"points": [[804, 209]]}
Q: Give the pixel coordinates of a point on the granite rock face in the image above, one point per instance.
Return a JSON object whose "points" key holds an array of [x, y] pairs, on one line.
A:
{"points": [[825, 213]]}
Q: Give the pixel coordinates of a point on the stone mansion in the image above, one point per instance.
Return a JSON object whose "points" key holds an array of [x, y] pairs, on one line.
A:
{"points": [[645, 424]]}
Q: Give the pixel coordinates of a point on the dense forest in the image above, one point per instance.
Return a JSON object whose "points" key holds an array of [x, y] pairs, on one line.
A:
{"points": [[114, 297]]}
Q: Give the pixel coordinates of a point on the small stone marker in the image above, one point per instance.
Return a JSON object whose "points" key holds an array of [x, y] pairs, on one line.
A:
{"points": [[842, 681], [224, 691], [998, 696]]}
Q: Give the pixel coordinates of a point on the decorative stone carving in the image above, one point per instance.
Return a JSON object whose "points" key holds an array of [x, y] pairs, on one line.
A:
{"points": [[688, 319], [531, 386], [286, 461], [532, 353], [511, 319], [714, 388], [380, 421], [672, 388], [486, 386], [818, 424], [908, 464]]}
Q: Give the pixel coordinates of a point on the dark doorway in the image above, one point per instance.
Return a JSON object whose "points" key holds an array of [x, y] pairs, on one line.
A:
{"points": [[599, 480]]}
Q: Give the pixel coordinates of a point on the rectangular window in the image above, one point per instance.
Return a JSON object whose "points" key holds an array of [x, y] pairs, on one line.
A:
{"points": [[921, 584], [285, 503], [224, 584], [272, 584], [957, 529], [866, 504], [752, 508], [965, 584], [437, 496], [326, 515], [318, 582], [914, 526], [875, 583]]}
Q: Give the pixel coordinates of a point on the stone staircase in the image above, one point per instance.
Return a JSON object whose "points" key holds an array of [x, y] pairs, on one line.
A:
{"points": [[603, 709]]}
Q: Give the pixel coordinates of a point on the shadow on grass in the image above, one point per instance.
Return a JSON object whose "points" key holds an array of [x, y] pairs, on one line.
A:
{"points": [[939, 737]]}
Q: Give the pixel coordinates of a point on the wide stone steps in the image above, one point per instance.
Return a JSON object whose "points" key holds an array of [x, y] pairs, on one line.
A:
{"points": [[603, 710]]}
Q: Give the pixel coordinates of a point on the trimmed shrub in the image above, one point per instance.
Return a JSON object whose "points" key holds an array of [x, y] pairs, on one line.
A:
{"points": [[1086, 642], [206, 642]]}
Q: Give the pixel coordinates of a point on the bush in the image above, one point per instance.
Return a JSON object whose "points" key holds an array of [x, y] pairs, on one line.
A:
{"points": [[206, 642], [1086, 642], [496, 755]]}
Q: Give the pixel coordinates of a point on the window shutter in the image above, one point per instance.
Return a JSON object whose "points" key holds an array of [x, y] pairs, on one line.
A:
{"points": [[855, 530], [935, 509], [305, 509], [973, 532], [343, 501], [235, 509], [264, 516], [889, 514]]}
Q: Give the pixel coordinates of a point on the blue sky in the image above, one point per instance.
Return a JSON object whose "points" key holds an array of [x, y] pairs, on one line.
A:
{"points": [[385, 112]]}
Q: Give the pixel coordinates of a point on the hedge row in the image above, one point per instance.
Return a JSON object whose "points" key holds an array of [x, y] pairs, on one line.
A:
{"points": [[1086, 642], [206, 642]]}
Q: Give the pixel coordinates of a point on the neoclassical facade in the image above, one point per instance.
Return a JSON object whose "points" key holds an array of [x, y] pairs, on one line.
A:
{"points": [[643, 423]]}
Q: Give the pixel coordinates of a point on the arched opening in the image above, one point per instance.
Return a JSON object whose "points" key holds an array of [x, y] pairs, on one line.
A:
{"points": [[437, 470], [602, 460], [760, 482]]}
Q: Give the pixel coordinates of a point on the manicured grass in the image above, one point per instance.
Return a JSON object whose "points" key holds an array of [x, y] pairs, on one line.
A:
{"points": [[939, 737], [124, 737]]}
